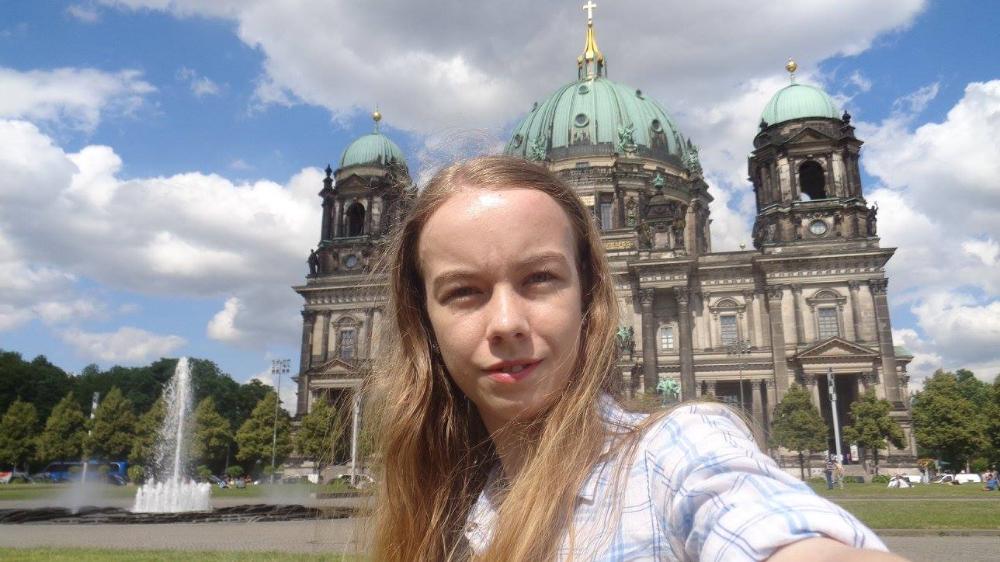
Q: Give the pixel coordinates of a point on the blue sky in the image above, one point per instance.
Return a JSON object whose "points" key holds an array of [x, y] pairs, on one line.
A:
{"points": [[158, 192]]}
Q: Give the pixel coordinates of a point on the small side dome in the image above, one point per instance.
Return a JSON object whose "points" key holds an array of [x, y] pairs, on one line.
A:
{"points": [[372, 149], [798, 101]]}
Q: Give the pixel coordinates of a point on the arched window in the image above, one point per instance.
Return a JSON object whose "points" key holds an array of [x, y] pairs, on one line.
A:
{"points": [[812, 180], [356, 219]]}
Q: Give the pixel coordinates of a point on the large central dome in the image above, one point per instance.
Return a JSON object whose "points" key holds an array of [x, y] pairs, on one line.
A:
{"points": [[597, 116]]}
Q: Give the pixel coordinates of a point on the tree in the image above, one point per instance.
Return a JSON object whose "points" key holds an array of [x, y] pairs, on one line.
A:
{"points": [[113, 426], [37, 382], [947, 422], [212, 435], [319, 433], [64, 433], [798, 425], [147, 432], [254, 436], [17, 434], [872, 426]]}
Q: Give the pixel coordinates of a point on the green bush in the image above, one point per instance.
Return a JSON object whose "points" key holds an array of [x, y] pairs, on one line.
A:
{"points": [[136, 473], [234, 471], [203, 472], [979, 464], [880, 479]]}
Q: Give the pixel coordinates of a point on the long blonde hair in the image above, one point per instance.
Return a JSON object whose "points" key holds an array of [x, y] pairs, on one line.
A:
{"points": [[435, 451]]}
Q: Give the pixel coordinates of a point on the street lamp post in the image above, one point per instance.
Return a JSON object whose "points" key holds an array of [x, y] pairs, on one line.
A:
{"points": [[278, 367], [739, 349]]}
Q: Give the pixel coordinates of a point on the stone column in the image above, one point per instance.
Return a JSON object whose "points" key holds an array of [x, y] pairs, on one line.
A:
{"points": [[774, 295], [757, 403], [302, 395], [368, 217], [813, 390], [855, 289], [338, 219], [710, 388], [325, 344], [650, 373], [800, 329], [688, 383], [884, 329], [751, 334], [765, 322], [772, 397]]}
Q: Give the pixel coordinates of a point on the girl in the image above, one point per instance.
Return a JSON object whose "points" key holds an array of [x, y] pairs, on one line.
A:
{"points": [[498, 433]]}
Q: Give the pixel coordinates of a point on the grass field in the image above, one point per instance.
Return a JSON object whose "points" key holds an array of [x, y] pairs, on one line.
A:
{"points": [[94, 555]]}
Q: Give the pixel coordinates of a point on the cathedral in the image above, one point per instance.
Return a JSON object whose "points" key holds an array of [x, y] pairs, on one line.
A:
{"points": [[807, 305]]}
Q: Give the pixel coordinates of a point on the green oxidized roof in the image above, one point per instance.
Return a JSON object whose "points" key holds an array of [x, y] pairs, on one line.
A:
{"points": [[796, 101], [374, 148], [593, 112]]}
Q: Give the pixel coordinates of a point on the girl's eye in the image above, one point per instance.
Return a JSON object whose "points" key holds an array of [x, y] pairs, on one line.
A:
{"points": [[459, 293], [540, 277]]}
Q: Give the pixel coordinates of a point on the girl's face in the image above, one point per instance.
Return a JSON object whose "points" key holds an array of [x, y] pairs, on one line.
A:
{"points": [[503, 297]]}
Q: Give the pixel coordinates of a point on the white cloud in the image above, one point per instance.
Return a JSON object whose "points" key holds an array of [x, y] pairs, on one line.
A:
{"points": [[459, 71], [860, 81], [74, 97], [925, 360], [287, 393], [125, 346], [222, 326], [84, 12], [986, 250], [61, 312], [189, 234], [939, 203], [200, 85]]}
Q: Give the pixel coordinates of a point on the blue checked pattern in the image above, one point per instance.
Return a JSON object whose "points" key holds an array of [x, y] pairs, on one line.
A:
{"points": [[696, 488]]}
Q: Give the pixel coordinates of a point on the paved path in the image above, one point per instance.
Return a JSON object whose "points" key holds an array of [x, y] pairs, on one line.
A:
{"points": [[936, 549], [341, 536]]}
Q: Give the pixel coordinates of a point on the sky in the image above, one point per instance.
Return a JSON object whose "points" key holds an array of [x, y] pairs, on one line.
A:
{"points": [[161, 158]]}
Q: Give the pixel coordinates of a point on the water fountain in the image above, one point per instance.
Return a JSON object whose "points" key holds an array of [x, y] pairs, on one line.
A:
{"points": [[170, 496], [169, 489]]}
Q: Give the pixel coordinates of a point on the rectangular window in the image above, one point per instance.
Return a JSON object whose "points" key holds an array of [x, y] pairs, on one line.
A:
{"points": [[667, 337], [828, 326], [583, 165], [728, 325], [346, 343], [606, 221]]}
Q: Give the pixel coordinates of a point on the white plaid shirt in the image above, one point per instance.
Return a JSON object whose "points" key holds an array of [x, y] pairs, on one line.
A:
{"points": [[697, 488]]}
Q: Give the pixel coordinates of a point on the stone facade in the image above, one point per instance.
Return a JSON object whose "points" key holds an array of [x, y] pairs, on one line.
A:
{"points": [[807, 303]]}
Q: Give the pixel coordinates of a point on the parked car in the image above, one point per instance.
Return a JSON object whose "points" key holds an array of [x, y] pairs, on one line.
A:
{"points": [[217, 481], [12, 476], [361, 481], [960, 478]]}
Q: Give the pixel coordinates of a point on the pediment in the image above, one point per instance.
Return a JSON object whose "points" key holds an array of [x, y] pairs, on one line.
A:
{"points": [[808, 134], [334, 366], [836, 348]]}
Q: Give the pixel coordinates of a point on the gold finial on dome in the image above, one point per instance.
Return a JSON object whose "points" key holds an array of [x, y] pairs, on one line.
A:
{"points": [[376, 117], [791, 66], [591, 63]]}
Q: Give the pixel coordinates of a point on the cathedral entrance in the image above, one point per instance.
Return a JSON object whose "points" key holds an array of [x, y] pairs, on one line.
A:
{"points": [[846, 386]]}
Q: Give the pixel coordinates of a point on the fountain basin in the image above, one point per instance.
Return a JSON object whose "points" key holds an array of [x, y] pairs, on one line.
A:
{"points": [[233, 514]]}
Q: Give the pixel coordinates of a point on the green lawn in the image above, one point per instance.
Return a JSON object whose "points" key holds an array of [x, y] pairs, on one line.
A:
{"points": [[95, 555], [917, 491], [924, 506], [926, 514]]}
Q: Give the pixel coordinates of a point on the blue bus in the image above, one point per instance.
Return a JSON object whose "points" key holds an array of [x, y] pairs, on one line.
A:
{"points": [[72, 471]]}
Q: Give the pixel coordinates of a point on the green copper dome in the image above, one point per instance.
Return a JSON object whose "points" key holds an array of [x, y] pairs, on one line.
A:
{"points": [[797, 101], [374, 148], [597, 116]]}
